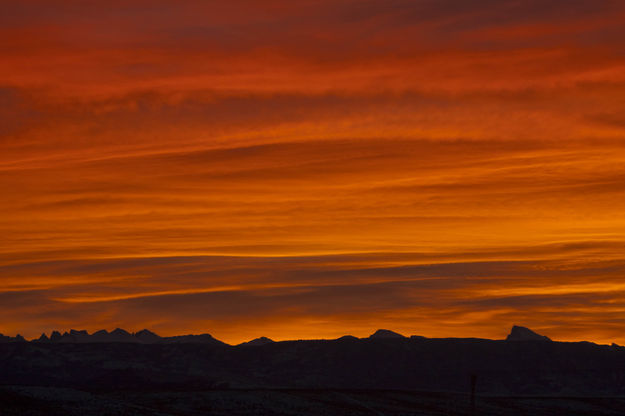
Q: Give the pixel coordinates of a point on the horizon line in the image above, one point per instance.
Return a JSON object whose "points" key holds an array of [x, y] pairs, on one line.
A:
{"points": [[73, 331]]}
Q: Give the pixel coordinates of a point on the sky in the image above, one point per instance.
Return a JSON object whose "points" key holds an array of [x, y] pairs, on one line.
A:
{"points": [[312, 169]]}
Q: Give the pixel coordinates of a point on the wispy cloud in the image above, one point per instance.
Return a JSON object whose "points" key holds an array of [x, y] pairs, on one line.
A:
{"points": [[313, 168]]}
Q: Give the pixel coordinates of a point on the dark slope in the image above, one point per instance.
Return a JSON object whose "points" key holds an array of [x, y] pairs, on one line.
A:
{"points": [[6, 338], [521, 333], [502, 367], [385, 333], [118, 335], [257, 342]]}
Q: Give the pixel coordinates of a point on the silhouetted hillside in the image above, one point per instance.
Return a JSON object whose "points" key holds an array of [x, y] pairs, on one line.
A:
{"points": [[520, 333], [118, 335], [258, 341], [17, 338], [532, 367]]}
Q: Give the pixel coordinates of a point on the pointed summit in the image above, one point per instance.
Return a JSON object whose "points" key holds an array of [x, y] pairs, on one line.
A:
{"points": [[79, 335], [147, 336], [100, 336], [385, 333], [120, 335], [43, 338], [521, 333], [17, 338], [119, 331], [258, 342]]}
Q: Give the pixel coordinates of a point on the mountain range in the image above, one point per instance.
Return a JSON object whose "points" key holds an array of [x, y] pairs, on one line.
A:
{"points": [[145, 336], [118, 335], [525, 363]]}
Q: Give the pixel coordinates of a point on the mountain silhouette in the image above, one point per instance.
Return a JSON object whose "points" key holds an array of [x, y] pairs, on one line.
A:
{"points": [[192, 339], [385, 333], [521, 333], [121, 361], [347, 338], [258, 341], [6, 338], [145, 336], [118, 335], [121, 335]]}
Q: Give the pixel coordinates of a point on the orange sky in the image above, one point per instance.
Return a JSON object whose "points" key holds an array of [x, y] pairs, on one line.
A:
{"points": [[315, 168]]}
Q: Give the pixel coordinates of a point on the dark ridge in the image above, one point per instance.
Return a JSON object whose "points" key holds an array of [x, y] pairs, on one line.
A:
{"points": [[258, 341], [120, 332], [193, 339], [521, 333], [147, 336], [348, 338], [501, 367], [385, 333], [17, 338]]}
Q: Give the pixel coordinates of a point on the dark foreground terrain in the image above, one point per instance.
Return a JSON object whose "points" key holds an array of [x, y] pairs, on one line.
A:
{"points": [[348, 376], [46, 401]]}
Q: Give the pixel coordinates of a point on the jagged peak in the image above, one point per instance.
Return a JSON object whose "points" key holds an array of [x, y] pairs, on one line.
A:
{"points": [[145, 332], [521, 333], [118, 335], [147, 335], [119, 331], [17, 338]]}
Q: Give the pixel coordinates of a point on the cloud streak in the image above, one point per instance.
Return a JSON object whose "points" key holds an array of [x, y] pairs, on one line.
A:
{"points": [[312, 169]]}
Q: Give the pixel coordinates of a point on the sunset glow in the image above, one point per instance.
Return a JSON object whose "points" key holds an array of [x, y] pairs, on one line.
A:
{"points": [[312, 169]]}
